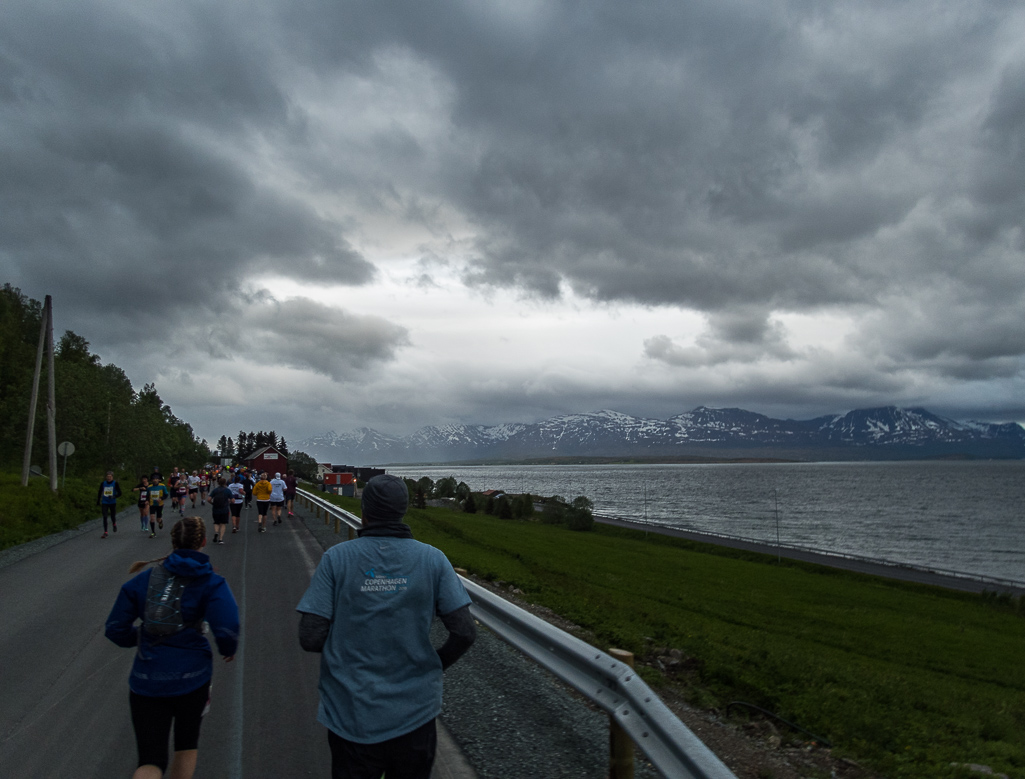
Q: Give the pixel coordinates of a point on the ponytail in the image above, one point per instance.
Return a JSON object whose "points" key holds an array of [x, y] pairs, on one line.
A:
{"points": [[138, 565], [187, 533]]}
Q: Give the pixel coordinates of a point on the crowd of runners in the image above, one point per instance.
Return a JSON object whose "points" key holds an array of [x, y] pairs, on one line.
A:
{"points": [[227, 490]]}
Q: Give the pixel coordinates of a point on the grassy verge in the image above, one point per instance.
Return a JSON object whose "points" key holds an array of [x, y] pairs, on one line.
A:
{"points": [[904, 677], [31, 512]]}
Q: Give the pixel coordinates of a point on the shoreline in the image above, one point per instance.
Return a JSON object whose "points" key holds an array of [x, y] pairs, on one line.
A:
{"points": [[887, 570]]}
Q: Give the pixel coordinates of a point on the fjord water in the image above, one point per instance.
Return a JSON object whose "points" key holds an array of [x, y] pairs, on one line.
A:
{"points": [[960, 516]]}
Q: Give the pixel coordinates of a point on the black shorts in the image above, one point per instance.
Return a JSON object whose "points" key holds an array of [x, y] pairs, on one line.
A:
{"points": [[221, 519], [152, 717], [278, 503], [410, 756], [157, 511], [236, 509], [143, 507], [193, 491], [261, 507]]}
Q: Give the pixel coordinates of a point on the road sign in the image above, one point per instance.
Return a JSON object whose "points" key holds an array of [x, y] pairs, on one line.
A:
{"points": [[66, 449]]}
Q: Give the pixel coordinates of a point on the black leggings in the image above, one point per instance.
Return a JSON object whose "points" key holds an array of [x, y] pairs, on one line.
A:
{"points": [[108, 509], [151, 718]]}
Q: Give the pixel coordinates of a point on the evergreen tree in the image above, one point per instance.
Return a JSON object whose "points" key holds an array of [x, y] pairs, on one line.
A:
{"points": [[470, 505], [504, 509]]}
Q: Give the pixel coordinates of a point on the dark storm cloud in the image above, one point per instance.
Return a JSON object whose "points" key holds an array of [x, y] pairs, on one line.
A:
{"points": [[735, 336], [310, 336], [126, 163], [740, 159], [702, 154]]}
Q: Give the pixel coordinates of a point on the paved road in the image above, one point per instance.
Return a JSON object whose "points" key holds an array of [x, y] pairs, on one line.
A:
{"points": [[64, 705]]}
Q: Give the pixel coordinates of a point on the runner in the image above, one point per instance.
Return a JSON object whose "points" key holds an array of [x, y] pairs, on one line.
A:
{"points": [[172, 486], [157, 495], [181, 489], [291, 485], [194, 487], [262, 493], [220, 501], [247, 483], [204, 486], [277, 497], [238, 493], [170, 678], [143, 490], [106, 499]]}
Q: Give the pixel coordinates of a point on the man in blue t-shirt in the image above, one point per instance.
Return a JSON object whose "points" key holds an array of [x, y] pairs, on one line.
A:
{"points": [[369, 609]]}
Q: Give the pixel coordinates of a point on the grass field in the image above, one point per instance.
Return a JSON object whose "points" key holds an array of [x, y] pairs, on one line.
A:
{"points": [[31, 512], [903, 677]]}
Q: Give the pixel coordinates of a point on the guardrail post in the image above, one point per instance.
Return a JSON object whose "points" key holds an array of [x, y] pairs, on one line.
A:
{"points": [[621, 747], [338, 525], [352, 532]]}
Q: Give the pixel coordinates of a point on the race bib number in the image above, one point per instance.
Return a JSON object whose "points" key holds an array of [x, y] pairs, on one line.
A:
{"points": [[108, 492], [154, 495]]}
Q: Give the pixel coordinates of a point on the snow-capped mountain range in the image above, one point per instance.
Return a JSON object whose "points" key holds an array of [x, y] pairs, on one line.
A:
{"points": [[876, 433]]}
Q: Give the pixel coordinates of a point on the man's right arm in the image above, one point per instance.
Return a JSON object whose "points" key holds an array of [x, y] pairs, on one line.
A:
{"points": [[313, 630]]}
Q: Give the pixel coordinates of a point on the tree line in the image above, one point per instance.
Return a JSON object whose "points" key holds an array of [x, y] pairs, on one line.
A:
{"points": [[111, 424], [577, 514]]}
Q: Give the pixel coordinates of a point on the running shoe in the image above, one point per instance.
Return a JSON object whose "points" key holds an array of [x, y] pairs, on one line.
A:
{"points": [[234, 530], [291, 514], [221, 541], [216, 538], [115, 527], [104, 534], [152, 535], [160, 524]]}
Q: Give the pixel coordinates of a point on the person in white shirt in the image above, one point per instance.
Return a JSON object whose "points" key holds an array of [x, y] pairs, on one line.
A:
{"points": [[277, 497], [238, 493], [194, 487]]}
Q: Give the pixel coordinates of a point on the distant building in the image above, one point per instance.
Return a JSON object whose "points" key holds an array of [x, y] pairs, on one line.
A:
{"points": [[340, 484], [361, 473], [323, 468], [268, 459]]}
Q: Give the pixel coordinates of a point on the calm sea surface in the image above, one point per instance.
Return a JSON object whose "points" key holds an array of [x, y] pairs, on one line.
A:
{"points": [[965, 517]]}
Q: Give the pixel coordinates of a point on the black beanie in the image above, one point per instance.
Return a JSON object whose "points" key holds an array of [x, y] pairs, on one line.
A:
{"points": [[385, 500]]}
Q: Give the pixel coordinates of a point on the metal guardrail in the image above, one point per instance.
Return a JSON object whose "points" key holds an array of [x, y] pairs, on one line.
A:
{"points": [[610, 684]]}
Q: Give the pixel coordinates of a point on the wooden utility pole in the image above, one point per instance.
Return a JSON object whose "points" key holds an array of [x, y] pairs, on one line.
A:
{"points": [[51, 403], [45, 343], [27, 461]]}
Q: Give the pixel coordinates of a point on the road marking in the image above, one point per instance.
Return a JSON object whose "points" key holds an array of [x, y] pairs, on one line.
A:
{"points": [[308, 561], [240, 677]]}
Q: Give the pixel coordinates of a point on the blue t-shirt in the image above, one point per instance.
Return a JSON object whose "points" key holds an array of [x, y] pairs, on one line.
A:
{"points": [[380, 676]]}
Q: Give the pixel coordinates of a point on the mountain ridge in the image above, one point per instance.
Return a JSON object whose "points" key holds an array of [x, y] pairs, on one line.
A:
{"points": [[882, 433]]}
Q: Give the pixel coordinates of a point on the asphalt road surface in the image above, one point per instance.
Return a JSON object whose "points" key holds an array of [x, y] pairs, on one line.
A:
{"points": [[64, 700]]}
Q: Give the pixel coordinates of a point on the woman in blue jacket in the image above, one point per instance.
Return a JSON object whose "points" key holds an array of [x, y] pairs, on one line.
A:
{"points": [[170, 679]]}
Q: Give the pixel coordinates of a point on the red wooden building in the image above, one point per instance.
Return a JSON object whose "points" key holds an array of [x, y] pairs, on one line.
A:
{"points": [[268, 459]]}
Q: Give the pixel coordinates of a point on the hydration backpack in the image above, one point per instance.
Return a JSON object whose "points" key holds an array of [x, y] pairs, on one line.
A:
{"points": [[162, 616]]}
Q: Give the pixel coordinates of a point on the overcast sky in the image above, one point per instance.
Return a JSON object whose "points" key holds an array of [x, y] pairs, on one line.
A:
{"points": [[319, 215]]}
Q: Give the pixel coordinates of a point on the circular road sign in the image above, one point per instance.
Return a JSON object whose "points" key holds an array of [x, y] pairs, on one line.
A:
{"points": [[65, 449]]}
